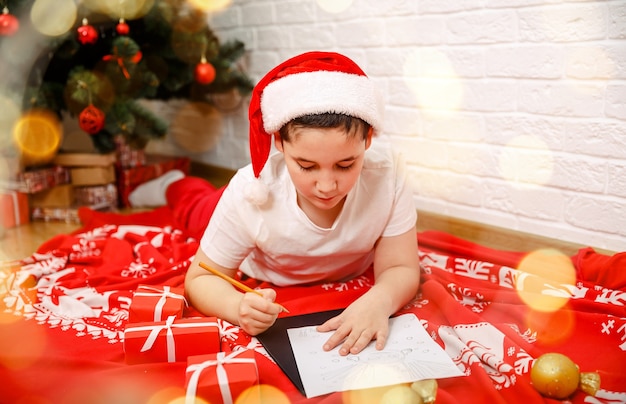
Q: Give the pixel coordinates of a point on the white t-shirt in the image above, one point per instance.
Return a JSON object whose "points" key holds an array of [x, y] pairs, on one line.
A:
{"points": [[278, 243]]}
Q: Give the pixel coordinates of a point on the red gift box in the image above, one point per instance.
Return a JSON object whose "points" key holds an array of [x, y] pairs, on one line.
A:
{"points": [[128, 156], [67, 215], [130, 178], [156, 303], [96, 194], [173, 340], [36, 180], [63, 215], [14, 209], [220, 377]]}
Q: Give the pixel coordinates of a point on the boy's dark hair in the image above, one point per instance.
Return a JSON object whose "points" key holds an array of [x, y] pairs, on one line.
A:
{"points": [[351, 125]]}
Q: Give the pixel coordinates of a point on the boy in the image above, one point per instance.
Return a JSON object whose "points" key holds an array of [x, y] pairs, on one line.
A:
{"points": [[330, 204]]}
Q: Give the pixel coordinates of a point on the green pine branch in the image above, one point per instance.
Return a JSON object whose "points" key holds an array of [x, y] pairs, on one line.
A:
{"points": [[228, 73]]}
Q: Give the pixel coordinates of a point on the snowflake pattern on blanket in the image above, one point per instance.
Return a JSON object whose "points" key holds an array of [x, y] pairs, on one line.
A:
{"points": [[474, 305], [85, 282]]}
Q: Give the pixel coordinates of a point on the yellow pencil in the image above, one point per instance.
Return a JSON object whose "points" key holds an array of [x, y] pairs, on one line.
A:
{"points": [[235, 282]]}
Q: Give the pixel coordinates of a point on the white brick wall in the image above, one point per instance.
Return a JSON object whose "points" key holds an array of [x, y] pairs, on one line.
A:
{"points": [[509, 112]]}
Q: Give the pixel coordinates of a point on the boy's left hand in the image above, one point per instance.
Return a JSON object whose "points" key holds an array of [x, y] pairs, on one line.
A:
{"points": [[360, 323]]}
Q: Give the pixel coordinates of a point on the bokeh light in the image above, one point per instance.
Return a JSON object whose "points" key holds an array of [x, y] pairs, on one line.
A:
{"points": [[148, 390], [261, 394], [9, 114], [183, 400], [433, 81], [128, 9], [7, 318], [33, 342], [37, 136], [551, 328], [210, 6], [526, 159], [334, 6], [401, 395], [189, 117], [546, 280], [376, 369], [53, 17], [372, 395], [170, 395]]}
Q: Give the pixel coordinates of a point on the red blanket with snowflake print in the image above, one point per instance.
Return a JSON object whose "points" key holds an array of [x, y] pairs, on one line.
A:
{"points": [[64, 310]]}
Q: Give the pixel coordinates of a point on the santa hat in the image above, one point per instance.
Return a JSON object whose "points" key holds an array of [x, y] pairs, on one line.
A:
{"points": [[310, 83]]}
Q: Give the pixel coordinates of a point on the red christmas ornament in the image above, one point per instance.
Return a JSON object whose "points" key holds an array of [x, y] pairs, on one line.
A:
{"points": [[205, 72], [91, 119], [122, 28], [87, 35], [8, 23]]}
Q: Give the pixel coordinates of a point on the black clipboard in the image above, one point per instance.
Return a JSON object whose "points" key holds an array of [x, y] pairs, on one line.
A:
{"points": [[276, 341]]}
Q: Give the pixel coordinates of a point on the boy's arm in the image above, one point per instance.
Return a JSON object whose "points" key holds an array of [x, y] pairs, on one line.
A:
{"points": [[396, 268], [397, 276], [214, 296]]}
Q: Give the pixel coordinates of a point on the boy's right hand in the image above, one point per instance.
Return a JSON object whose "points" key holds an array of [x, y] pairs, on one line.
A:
{"points": [[256, 313]]}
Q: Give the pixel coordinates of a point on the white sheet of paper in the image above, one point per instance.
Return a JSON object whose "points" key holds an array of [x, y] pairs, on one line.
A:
{"points": [[409, 355]]}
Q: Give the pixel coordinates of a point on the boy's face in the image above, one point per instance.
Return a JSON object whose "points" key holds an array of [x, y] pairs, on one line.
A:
{"points": [[323, 163]]}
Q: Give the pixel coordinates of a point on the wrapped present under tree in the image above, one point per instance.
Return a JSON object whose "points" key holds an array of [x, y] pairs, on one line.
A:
{"points": [[14, 209]]}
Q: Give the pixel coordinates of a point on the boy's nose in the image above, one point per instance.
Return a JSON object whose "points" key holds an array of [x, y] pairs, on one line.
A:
{"points": [[325, 185]]}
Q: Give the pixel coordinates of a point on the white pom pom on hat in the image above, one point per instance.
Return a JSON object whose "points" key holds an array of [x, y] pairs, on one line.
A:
{"points": [[310, 83], [256, 192]]}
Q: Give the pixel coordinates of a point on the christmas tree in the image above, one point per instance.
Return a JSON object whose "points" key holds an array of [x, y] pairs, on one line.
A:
{"points": [[101, 68]]}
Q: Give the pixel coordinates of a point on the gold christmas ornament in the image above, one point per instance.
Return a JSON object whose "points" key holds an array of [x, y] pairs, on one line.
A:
{"points": [[401, 395], [589, 382], [557, 376], [426, 389]]}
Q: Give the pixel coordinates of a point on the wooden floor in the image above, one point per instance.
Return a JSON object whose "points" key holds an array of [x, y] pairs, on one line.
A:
{"points": [[22, 241], [497, 237]]}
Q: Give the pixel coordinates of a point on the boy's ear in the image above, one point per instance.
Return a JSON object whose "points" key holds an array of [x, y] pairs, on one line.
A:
{"points": [[278, 142], [368, 141]]}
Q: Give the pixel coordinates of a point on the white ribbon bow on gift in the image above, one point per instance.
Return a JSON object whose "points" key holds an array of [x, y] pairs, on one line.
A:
{"points": [[165, 293], [222, 377], [156, 329]]}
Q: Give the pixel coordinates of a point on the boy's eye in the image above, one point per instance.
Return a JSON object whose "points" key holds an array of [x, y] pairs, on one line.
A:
{"points": [[306, 168], [345, 167], [310, 167]]}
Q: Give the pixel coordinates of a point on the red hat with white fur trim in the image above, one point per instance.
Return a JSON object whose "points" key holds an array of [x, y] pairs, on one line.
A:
{"points": [[310, 83]]}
